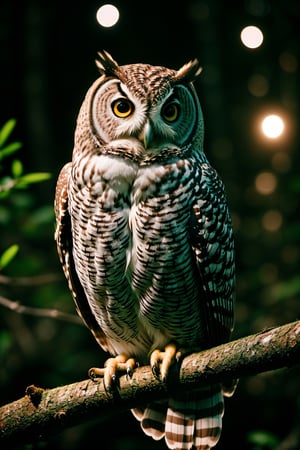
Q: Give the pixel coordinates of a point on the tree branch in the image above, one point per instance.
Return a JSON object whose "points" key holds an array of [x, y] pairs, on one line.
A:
{"points": [[17, 307], [43, 412]]}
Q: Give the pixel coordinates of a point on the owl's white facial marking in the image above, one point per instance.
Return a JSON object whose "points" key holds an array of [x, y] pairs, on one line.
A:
{"points": [[133, 123], [116, 113]]}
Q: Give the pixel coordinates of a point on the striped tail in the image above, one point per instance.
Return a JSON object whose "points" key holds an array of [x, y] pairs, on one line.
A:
{"points": [[190, 421]]}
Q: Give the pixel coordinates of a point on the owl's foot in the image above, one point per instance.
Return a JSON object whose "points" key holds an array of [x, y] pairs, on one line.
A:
{"points": [[161, 362], [113, 366]]}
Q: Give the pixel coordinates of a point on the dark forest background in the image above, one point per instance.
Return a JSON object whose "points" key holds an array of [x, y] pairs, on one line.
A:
{"points": [[47, 64]]}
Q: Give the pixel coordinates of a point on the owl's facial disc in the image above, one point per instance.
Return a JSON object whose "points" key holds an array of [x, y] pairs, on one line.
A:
{"points": [[157, 119]]}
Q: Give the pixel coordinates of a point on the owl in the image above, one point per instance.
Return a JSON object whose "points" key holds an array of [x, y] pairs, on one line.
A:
{"points": [[145, 239]]}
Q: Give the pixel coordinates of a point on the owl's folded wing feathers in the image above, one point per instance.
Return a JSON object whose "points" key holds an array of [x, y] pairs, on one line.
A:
{"points": [[212, 241], [63, 237]]}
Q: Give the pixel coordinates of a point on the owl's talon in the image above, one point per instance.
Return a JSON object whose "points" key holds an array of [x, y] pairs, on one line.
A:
{"points": [[155, 360], [129, 373], [180, 354], [113, 366], [95, 372], [155, 370], [161, 361]]}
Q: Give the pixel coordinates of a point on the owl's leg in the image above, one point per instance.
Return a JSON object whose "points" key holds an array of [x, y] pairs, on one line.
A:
{"points": [[161, 361], [113, 366]]}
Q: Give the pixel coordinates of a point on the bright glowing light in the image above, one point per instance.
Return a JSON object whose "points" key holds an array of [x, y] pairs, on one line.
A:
{"points": [[272, 126], [265, 183], [272, 220], [252, 37], [108, 15]]}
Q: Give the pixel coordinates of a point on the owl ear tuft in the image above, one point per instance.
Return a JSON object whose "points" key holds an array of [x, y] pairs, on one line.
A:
{"points": [[189, 72], [106, 64]]}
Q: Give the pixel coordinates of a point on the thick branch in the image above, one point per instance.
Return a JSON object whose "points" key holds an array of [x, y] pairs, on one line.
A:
{"points": [[42, 412]]}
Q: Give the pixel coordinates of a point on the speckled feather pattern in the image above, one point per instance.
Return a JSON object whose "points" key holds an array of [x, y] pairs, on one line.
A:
{"points": [[145, 239]]}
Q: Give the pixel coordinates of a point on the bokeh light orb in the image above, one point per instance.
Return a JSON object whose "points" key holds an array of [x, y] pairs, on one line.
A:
{"points": [[107, 15], [258, 85], [252, 37], [265, 183], [272, 220], [272, 126]]}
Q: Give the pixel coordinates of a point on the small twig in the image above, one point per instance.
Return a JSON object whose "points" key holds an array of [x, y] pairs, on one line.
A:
{"points": [[17, 307], [8, 186], [30, 281]]}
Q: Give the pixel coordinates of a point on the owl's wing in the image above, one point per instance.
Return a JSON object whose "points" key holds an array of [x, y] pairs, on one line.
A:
{"points": [[63, 237], [212, 242]]}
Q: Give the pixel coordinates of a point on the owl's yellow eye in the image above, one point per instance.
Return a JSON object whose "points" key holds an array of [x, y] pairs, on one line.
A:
{"points": [[170, 112], [122, 108]]}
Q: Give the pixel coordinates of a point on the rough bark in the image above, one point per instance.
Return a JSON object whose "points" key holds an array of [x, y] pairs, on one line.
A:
{"points": [[43, 412]]}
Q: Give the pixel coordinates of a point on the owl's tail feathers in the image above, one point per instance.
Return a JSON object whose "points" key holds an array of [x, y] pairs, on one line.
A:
{"points": [[152, 419], [193, 422], [197, 421]]}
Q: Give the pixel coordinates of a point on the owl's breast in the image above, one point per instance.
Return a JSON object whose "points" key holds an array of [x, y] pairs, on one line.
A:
{"points": [[164, 275], [132, 250]]}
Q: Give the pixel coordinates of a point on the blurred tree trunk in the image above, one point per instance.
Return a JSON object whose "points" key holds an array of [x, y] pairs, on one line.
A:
{"points": [[37, 85]]}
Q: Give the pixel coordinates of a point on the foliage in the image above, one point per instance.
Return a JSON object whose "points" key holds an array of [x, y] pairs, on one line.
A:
{"points": [[15, 180], [8, 255]]}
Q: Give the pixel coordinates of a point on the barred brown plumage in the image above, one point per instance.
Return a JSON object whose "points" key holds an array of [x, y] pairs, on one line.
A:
{"points": [[145, 238]]}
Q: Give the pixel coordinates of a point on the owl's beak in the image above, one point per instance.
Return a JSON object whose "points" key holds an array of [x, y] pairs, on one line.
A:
{"points": [[146, 135]]}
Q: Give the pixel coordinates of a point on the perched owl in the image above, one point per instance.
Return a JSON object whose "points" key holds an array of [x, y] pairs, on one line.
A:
{"points": [[145, 238]]}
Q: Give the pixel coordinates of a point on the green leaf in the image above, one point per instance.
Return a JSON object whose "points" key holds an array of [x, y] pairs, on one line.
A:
{"points": [[8, 255], [263, 439], [17, 168], [9, 149], [4, 194], [30, 178], [6, 130]]}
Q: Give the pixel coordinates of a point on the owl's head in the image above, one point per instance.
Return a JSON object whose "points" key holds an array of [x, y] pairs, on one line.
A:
{"points": [[151, 104]]}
